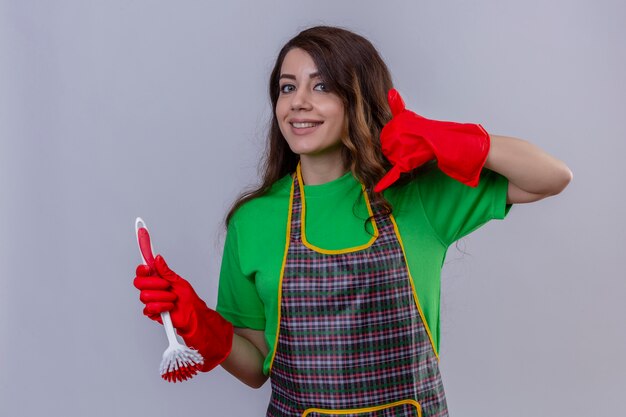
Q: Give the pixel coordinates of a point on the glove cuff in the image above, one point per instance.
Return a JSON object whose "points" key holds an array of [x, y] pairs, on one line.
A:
{"points": [[212, 337], [463, 155]]}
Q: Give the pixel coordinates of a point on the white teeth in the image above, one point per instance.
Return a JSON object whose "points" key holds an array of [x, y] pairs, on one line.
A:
{"points": [[304, 124]]}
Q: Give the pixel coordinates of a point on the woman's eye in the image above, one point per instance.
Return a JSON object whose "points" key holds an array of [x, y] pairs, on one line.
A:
{"points": [[287, 88], [320, 87]]}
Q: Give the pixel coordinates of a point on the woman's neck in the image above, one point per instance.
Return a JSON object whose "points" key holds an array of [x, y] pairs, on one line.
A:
{"points": [[317, 171]]}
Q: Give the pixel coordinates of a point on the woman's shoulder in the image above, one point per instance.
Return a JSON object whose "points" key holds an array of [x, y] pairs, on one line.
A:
{"points": [[430, 179], [268, 206], [424, 184], [408, 184]]}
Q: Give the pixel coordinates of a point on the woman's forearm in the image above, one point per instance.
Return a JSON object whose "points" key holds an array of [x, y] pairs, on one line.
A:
{"points": [[527, 166], [245, 362]]}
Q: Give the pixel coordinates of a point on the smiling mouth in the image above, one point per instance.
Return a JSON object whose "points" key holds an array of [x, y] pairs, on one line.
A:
{"points": [[303, 125]]}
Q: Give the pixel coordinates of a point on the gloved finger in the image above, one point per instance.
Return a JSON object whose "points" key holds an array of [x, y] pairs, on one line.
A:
{"points": [[157, 308], [155, 317], [163, 270], [389, 178], [151, 283], [144, 270], [152, 296], [395, 102]]}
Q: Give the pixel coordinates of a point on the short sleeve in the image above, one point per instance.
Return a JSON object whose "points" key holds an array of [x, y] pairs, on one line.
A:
{"points": [[455, 209], [238, 300]]}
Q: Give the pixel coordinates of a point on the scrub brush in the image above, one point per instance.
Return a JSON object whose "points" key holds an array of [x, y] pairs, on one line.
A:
{"points": [[179, 362]]}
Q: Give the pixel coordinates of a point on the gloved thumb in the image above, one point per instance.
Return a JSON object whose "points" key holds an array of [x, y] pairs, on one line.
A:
{"points": [[395, 102], [163, 270]]}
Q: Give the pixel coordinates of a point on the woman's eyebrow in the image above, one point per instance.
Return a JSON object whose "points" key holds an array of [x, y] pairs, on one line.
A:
{"points": [[315, 74]]}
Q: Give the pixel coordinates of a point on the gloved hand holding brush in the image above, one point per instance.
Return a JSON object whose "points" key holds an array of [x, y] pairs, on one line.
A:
{"points": [[201, 327], [410, 140]]}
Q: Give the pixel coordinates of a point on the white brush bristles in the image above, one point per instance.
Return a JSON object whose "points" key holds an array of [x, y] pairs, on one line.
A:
{"points": [[179, 356]]}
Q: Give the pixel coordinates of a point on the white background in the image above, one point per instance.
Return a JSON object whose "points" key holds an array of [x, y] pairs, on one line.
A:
{"points": [[119, 108]]}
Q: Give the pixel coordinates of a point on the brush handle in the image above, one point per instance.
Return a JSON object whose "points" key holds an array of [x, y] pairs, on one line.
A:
{"points": [[143, 240], [147, 254], [169, 328]]}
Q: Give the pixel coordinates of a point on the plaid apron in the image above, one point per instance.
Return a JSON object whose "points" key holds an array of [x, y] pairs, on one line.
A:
{"points": [[351, 340]]}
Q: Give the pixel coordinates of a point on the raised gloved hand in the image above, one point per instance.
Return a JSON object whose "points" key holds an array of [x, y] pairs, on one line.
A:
{"points": [[200, 327], [410, 140]]}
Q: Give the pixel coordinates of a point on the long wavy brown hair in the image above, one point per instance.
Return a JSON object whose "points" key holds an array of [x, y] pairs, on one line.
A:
{"points": [[350, 67]]}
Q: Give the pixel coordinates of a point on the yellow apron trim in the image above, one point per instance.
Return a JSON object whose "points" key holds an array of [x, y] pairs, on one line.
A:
{"points": [[331, 251], [417, 302], [365, 410], [282, 271]]}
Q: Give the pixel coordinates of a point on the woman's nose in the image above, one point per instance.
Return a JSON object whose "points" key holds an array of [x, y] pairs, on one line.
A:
{"points": [[301, 100]]}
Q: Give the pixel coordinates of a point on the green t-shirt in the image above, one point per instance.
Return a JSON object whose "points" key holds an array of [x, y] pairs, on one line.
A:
{"points": [[432, 211]]}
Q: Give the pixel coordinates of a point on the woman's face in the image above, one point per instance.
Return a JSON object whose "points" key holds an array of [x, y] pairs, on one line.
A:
{"points": [[311, 118]]}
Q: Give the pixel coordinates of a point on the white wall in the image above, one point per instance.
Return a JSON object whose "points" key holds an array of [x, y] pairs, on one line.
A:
{"points": [[119, 108]]}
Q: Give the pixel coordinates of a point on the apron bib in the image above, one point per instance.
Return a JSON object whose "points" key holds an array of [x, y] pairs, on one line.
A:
{"points": [[352, 339]]}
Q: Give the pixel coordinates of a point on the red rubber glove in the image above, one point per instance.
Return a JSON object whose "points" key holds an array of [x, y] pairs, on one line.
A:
{"points": [[200, 327], [410, 140]]}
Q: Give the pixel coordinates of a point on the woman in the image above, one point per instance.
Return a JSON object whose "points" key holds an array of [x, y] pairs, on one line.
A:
{"points": [[330, 275]]}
